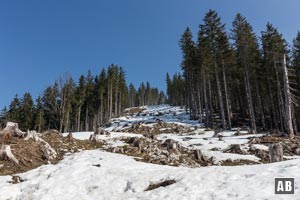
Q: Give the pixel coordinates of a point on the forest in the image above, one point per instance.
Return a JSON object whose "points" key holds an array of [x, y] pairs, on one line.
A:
{"points": [[238, 78], [229, 79], [69, 106]]}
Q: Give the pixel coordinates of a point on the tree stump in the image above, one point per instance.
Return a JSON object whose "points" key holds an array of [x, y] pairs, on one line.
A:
{"points": [[170, 144], [235, 148], [238, 132], [276, 152], [199, 156], [13, 129], [5, 137], [70, 136], [6, 154], [297, 151]]}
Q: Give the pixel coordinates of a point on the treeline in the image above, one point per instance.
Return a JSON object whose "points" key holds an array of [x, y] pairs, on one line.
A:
{"points": [[238, 78], [69, 106]]}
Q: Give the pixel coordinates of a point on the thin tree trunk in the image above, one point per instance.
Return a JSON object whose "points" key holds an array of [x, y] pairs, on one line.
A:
{"points": [[228, 106], [280, 98], [249, 100], [78, 119], [288, 100], [273, 113], [260, 106], [220, 97]]}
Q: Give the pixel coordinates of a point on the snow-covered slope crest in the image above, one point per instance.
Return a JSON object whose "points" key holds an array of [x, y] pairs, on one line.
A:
{"points": [[101, 175]]}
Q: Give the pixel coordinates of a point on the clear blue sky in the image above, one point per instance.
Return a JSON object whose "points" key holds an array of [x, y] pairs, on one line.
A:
{"points": [[41, 40]]}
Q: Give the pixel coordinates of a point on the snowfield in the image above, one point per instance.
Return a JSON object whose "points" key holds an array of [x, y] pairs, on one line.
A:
{"points": [[98, 175], [121, 177]]}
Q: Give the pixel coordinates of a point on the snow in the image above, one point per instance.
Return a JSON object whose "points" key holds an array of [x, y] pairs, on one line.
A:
{"points": [[206, 142], [121, 177]]}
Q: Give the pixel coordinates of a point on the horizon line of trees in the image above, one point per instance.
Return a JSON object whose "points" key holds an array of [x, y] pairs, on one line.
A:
{"points": [[237, 78], [69, 106]]}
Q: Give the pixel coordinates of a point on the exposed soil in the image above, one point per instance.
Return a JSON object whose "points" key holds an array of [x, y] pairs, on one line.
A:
{"points": [[30, 155]]}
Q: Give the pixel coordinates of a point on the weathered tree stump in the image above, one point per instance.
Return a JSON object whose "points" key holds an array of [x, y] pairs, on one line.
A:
{"points": [[235, 148], [6, 154], [297, 151], [48, 151], [70, 136], [5, 137], [13, 129], [32, 135], [170, 144], [238, 132], [199, 156], [276, 152]]}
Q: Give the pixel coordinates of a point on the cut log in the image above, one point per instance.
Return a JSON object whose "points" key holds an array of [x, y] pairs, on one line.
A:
{"points": [[6, 154], [276, 152]]}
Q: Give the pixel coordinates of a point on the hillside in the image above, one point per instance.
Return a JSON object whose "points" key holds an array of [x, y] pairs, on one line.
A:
{"points": [[156, 152]]}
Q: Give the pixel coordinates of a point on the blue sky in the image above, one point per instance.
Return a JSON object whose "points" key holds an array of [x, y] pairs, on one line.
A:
{"points": [[42, 40]]}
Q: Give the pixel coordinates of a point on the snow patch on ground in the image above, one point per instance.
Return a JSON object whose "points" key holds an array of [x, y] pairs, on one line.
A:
{"points": [[121, 177]]}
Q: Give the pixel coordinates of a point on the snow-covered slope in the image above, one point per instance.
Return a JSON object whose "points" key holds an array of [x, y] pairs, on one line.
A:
{"points": [[121, 177], [98, 175]]}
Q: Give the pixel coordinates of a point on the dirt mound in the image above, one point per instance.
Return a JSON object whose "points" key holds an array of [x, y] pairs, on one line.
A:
{"points": [[34, 150]]}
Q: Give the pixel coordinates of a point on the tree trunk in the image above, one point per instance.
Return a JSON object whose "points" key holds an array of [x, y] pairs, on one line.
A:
{"points": [[279, 95], [249, 99], [288, 100], [78, 119], [260, 106], [228, 107], [220, 97]]}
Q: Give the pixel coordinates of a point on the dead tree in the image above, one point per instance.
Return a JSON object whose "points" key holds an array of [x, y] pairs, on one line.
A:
{"points": [[288, 101]]}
